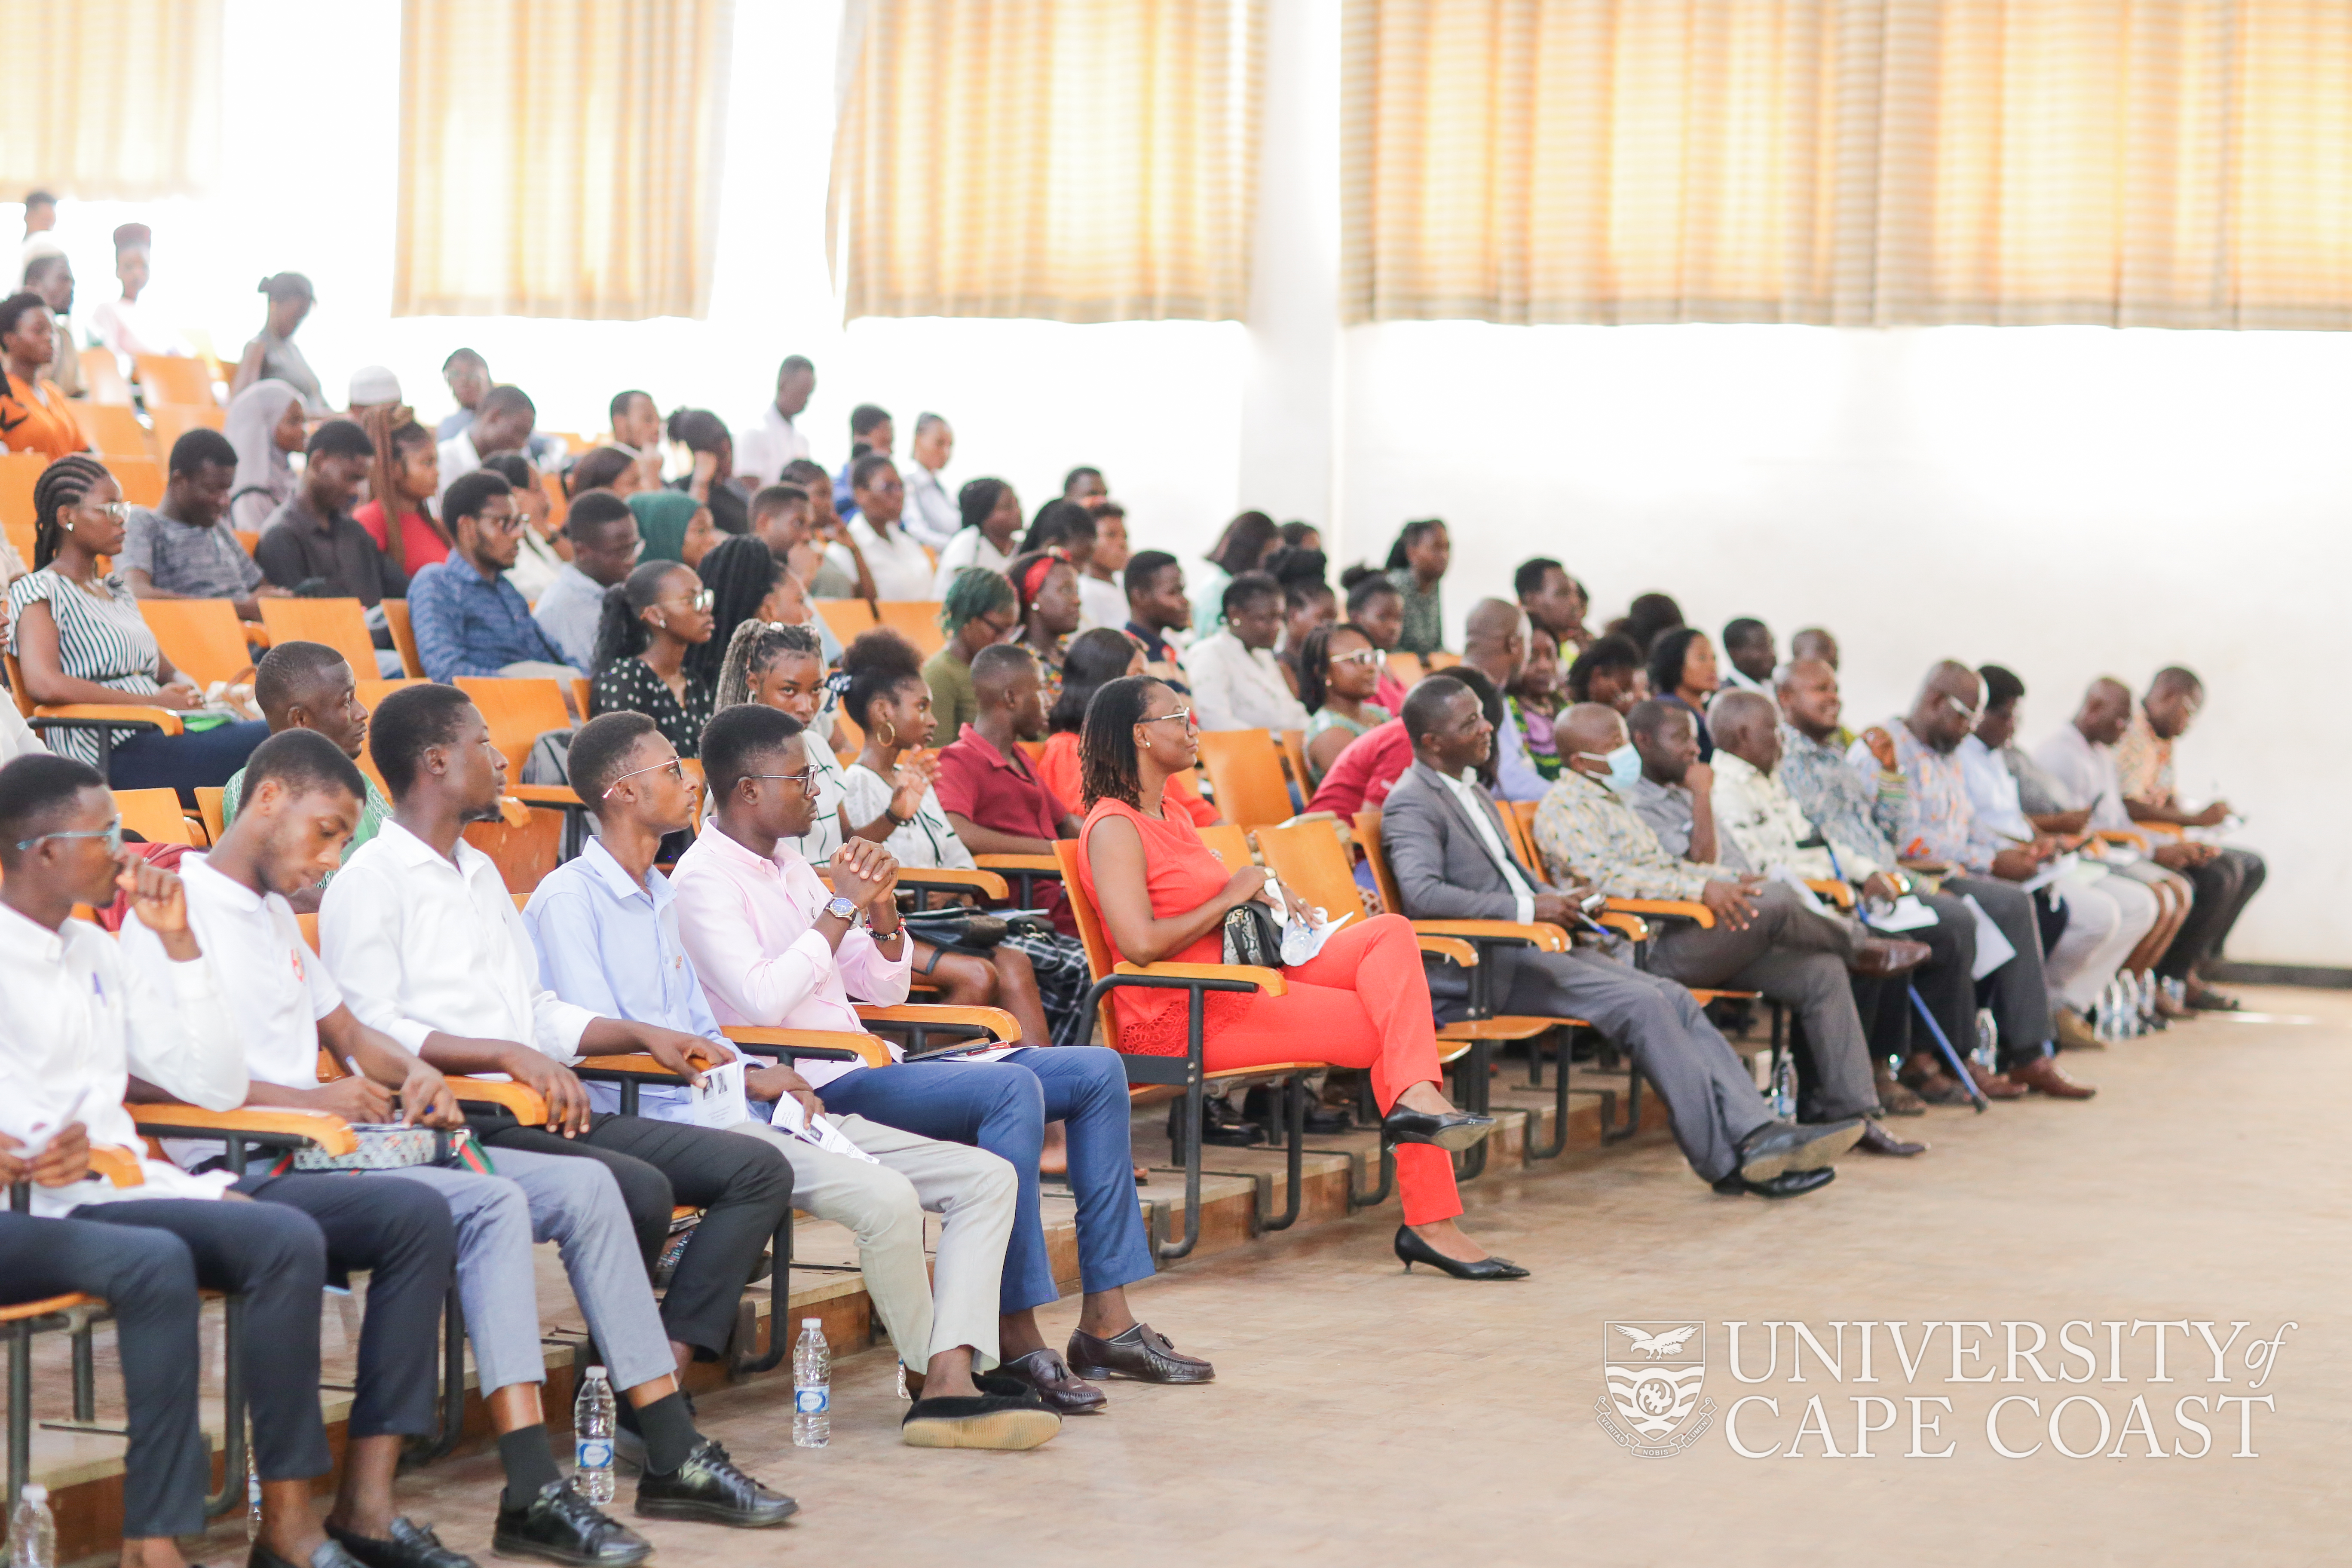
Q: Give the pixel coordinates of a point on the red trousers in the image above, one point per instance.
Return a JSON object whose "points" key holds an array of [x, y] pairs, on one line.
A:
{"points": [[1362, 1002]]}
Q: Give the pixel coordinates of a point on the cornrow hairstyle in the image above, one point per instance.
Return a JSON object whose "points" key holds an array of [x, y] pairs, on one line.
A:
{"points": [[1106, 765], [754, 647], [1092, 660], [1412, 533], [62, 484], [878, 663], [620, 628], [975, 592], [740, 572]]}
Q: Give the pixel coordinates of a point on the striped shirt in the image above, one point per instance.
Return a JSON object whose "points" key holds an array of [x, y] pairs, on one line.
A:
{"points": [[101, 638]]}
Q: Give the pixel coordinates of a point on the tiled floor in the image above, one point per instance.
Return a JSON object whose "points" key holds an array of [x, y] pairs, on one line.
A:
{"points": [[1365, 1417]]}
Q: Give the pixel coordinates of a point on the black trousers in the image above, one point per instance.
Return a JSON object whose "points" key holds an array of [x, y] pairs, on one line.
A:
{"points": [[401, 1234], [1943, 984], [2224, 884], [743, 1187], [149, 1280], [276, 1259]]}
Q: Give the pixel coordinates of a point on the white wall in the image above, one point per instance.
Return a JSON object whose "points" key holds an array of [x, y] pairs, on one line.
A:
{"points": [[2068, 501]]}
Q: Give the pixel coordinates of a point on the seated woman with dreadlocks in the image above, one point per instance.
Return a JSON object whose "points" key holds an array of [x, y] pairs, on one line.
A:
{"points": [[79, 636]]}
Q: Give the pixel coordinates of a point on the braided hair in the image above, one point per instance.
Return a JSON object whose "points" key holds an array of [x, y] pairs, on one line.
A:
{"points": [[755, 645], [975, 592], [1107, 764], [62, 484]]}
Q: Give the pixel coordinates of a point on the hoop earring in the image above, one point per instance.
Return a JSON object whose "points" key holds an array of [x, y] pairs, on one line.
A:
{"points": [[889, 733]]}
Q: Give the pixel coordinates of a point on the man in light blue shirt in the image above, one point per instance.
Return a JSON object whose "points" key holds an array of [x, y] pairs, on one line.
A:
{"points": [[604, 546], [468, 619]]}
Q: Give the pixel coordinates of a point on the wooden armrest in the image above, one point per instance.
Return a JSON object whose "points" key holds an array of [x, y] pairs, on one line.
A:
{"points": [[636, 1065], [1452, 949], [2169, 829], [256, 634], [1549, 937], [831, 1045], [560, 796], [119, 1166], [987, 884], [995, 1021], [524, 1102], [2117, 835], [46, 1305], [1679, 908], [129, 714], [1836, 892], [1044, 863], [1269, 981], [329, 1132], [1633, 926]]}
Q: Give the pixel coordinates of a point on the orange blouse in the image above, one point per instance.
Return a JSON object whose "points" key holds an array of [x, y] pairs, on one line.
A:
{"points": [[1058, 770], [37, 420]]}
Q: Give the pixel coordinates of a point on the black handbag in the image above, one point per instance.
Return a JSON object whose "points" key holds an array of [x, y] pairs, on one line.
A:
{"points": [[1253, 936], [976, 931]]}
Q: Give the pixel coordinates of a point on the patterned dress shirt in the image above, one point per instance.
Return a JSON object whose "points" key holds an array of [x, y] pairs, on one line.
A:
{"points": [[1838, 798], [1941, 824], [2144, 765], [1759, 823], [1586, 833]]}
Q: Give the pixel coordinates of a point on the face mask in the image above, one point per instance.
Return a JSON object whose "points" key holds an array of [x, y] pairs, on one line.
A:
{"points": [[1624, 766]]}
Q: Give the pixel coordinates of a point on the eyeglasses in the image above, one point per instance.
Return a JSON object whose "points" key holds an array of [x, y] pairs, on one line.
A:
{"points": [[699, 601], [119, 511], [1963, 710], [112, 833], [1371, 656], [511, 523], [1003, 629], [806, 778], [1183, 713], [675, 770]]}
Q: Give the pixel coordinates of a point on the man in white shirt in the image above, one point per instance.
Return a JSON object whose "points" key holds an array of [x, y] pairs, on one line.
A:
{"points": [[775, 437], [1236, 683], [931, 514], [893, 560], [637, 427], [301, 798], [502, 423], [81, 1019], [427, 943]]}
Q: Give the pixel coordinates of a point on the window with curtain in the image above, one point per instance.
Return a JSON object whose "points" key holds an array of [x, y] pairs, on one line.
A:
{"points": [[560, 157], [1068, 160], [1854, 161], [69, 124]]}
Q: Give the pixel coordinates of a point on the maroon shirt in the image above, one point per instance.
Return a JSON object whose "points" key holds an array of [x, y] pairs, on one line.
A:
{"points": [[981, 785]]}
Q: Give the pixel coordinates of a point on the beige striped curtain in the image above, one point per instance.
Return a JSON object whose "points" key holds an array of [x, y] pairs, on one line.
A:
{"points": [[1068, 160], [1855, 161], [560, 157], [111, 100]]}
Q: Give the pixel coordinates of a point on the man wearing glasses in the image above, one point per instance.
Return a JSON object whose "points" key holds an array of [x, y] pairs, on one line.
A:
{"points": [[468, 619], [1935, 828]]}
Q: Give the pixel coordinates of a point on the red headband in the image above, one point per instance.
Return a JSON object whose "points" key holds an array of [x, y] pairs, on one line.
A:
{"points": [[1035, 578]]}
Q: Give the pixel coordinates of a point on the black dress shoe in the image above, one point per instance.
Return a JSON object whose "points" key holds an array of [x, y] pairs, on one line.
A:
{"points": [[1142, 1352], [327, 1554], [1877, 1139], [1220, 1126], [1261, 1106], [1778, 1147], [560, 1526], [1787, 1184], [1412, 1249], [709, 1488], [1044, 1374], [1002, 1421], [1453, 1132], [410, 1545]]}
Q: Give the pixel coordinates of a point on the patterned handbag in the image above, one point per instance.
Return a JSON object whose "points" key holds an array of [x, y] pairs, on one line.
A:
{"points": [[1253, 936], [393, 1147]]}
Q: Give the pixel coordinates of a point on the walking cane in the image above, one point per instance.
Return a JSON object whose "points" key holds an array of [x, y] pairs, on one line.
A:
{"points": [[1951, 1056]]}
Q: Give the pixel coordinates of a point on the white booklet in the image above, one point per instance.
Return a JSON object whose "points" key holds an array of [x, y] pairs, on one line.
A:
{"points": [[719, 1100], [791, 1118]]}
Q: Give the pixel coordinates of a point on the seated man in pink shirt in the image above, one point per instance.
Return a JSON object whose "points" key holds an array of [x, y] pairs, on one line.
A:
{"points": [[772, 947]]}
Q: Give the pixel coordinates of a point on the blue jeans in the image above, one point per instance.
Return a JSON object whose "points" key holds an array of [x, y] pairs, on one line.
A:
{"points": [[1003, 1107]]}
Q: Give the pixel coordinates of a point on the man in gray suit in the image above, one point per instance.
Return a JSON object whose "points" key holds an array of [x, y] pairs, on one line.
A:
{"points": [[1453, 860]]}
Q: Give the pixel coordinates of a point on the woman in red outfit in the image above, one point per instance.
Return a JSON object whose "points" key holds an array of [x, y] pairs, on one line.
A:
{"points": [[1362, 1001]]}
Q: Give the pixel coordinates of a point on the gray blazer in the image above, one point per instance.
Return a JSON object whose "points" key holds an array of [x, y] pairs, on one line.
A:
{"points": [[1446, 872]]}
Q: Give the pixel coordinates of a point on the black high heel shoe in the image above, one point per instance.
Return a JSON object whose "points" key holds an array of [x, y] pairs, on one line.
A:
{"points": [[1411, 1250], [1452, 1130]]}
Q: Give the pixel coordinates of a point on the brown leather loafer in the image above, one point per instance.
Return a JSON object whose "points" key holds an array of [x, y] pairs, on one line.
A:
{"points": [[1062, 1390], [1142, 1354], [1925, 1075], [1895, 1100], [1889, 955], [1877, 1139], [2042, 1075], [1997, 1085]]}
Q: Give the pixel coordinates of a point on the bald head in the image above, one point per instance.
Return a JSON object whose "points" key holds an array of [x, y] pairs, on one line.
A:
{"points": [[1813, 642], [1745, 724], [2105, 713], [1951, 701], [1495, 639], [1587, 731]]}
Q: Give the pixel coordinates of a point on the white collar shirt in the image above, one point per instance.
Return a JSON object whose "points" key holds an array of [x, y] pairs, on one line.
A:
{"points": [[769, 444], [969, 547], [2086, 772], [1239, 688], [901, 566], [81, 1016], [422, 946], [931, 514], [1992, 790], [1476, 806], [458, 458]]}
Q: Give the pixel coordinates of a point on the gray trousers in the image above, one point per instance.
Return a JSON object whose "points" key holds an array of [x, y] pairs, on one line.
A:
{"points": [[2020, 989], [973, 1190], [576, 1204], [1710, 1097], [1793, 955]]}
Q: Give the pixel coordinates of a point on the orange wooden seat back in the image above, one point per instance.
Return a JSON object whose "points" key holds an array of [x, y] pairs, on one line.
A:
{"points": [[141, 478], [519, 712], [19, 472], [1520, 818], [917, 620], [1294, 756], [112, 429], [1368, 839], [173, 420], [202, 636], [1311, 860], [104, 375], [1228, 843], [1090, 929], [210, 805], [404, 637], [155, 815], [1244, 769], [339, 623], [174, 378], [846, 618]]}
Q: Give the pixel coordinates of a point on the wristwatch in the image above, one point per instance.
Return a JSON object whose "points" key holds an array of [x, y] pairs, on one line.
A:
{"points": [[841, 909]]}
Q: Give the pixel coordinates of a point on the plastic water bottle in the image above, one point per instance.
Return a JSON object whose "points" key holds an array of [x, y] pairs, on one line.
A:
{"points": [[252, 1495], [812, 1387], [32, 1533], [592, 1431], [1988, 1047]]}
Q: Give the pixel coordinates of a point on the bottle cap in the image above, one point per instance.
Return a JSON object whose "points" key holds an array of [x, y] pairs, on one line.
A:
{"points": [[595, 1372], [811, 1322], [35, 1492]]}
